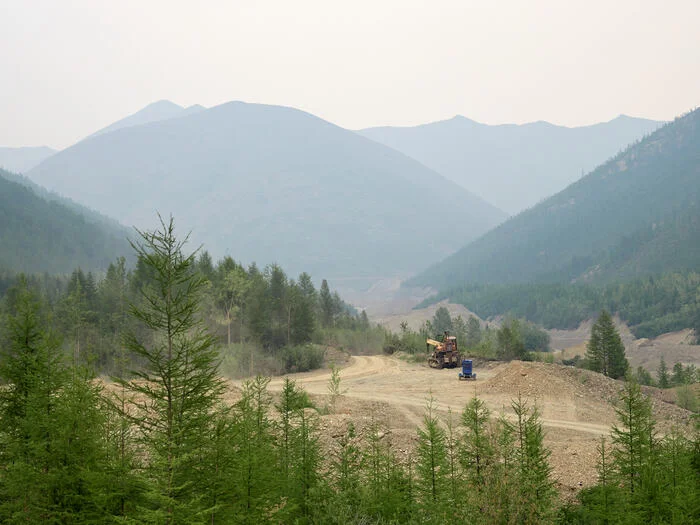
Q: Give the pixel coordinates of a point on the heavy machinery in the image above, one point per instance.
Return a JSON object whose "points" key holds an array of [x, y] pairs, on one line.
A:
{"points": [[445, 353], [467, 372]]}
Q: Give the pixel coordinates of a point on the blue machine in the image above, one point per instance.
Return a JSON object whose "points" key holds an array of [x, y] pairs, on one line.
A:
{"points": [[466, 372]]}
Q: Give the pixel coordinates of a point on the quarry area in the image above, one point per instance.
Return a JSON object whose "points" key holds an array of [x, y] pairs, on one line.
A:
{"points": [[576, 406]]}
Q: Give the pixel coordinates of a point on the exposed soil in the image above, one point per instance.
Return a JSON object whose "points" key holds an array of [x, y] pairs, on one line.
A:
{"points": [[575, 405], [415, 318], [674, 347]]}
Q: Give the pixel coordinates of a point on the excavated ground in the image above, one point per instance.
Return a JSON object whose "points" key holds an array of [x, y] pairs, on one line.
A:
{"points": [[576, 406]]}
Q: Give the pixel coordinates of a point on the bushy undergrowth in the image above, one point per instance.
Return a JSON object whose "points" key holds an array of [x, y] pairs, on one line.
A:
{"points": [[240, 360]]}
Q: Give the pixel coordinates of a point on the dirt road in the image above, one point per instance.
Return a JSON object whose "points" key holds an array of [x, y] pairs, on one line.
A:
{"points": [[408, 386], [396, 392]]}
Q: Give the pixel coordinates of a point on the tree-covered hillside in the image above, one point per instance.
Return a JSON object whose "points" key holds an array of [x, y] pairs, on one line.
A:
{"points": [[635, 215], [39, 235], [650, 305], [274, 184]]}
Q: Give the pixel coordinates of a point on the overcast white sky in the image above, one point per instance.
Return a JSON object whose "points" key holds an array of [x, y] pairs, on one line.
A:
{"points": [[68, 67]]}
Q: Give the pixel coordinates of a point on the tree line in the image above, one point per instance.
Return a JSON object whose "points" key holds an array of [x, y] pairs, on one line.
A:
{"points": [[513, 339], [650, 305], [266, 321]]}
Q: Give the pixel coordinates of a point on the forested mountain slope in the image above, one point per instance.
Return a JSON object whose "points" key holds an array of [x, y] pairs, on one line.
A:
{"points": [[39, 235], [274, 184], [634, 215], [20, 160], [512, 166]]}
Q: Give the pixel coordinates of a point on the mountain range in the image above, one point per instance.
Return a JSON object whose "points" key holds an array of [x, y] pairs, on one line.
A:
{"points": [[40, 234], [512, 166], [273, 184], [21, 160], [637, 214]]}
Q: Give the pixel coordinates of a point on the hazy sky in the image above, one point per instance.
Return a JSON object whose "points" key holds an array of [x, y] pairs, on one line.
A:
{"points": [[68, 68]]}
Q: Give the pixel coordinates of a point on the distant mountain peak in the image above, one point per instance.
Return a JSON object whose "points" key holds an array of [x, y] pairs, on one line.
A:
{"points": [[153, 112], [271, 183], [21, 160]]}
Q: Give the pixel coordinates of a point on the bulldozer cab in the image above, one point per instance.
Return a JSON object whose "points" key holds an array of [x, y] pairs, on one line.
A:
{"points": [[449, 342], [445, 353]]}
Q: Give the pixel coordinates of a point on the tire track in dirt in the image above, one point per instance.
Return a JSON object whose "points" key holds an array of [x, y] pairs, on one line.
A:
{"points": [[407, 387], [396, 392]]}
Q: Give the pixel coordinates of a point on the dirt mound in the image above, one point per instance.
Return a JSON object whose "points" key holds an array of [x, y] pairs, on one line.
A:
{"points": [[594, 394]]}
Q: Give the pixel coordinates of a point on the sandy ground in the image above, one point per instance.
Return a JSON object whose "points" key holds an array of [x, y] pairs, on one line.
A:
{"points": [[575, 404]]}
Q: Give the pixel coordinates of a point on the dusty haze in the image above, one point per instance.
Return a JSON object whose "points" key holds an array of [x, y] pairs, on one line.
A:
{"points": [[72, 67]]}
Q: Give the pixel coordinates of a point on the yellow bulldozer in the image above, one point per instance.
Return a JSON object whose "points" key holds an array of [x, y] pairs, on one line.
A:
{"points": [[444, 353]]}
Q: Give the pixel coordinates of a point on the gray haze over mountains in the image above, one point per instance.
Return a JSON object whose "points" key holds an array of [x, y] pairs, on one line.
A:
{"points": [[20, 160], [637, 214], [155, 112], [512, 166], [272, 184]]}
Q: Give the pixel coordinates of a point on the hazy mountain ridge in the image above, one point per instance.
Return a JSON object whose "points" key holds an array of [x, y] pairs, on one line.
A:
{"points": [[155, 112], [634, 215], [21, 160], [269, 183], [43, 235], [512, 166], [89, 214]]}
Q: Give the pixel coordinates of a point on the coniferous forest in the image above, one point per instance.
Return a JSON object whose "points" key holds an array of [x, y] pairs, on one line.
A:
{"points": [[167, 441], [650, 305]]}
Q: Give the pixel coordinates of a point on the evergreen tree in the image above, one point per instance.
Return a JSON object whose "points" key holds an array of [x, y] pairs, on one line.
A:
{"points": [[509, 340], [432, 467], [292, 400], [346, 467], [442, 322], [298, 449], [604, 478], [662, 376], [326, 305], [634, 438], [205, 265], [308, 462], [536, 489], [455, 495], [499, 499], [253, 480], [389, 493], [679, 376], [231, 295], [279, 317], [644, 377], [473, 332], [605, 352], [51, 429], [179, 386], [477, 449]]}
